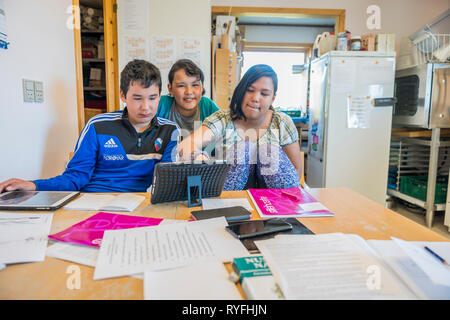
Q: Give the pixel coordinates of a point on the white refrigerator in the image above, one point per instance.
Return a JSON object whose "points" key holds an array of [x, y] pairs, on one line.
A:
{"points": [[349, 137]]}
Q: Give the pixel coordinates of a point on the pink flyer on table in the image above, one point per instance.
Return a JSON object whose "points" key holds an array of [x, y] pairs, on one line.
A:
{"points": [[289, 202], [90, 231]]}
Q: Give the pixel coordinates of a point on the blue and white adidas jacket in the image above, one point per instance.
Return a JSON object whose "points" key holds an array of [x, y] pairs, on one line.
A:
{"points": [[111, 156]]}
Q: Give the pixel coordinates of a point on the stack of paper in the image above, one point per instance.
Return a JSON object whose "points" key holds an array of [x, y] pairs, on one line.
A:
{"points": [[122, 202], [86, 254], [23, 237], [131, 251], [202, 280], [423, 274], [330, 266]]}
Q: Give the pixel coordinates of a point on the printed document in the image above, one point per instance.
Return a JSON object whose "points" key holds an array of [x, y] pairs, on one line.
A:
{"points": [[329, 266], [226, 203], [411, 274], [23, 237], [123, 202], [438, 272], [130, 251], [83, 254], [202, 280]]}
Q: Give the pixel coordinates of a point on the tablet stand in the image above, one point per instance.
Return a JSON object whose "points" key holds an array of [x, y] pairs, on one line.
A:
{"points": [[194, 187]]}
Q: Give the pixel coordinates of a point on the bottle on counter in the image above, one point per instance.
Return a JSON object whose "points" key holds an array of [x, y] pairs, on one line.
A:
{"points": [[356, 43], [342, 42]]}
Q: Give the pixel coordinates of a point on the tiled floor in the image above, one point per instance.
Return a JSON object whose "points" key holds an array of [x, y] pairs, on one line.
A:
{"points": [[418, 215]]}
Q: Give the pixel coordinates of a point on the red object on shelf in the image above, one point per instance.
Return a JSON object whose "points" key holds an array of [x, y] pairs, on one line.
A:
{"points": [[95, 104]]}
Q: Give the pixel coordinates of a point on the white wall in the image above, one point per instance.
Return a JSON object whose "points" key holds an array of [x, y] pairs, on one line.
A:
{"points": [[402, 17], [36, 138], [173, 18]]}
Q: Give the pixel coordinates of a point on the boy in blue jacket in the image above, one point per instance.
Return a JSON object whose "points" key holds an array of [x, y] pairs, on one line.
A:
{"points": [[117, 151]]}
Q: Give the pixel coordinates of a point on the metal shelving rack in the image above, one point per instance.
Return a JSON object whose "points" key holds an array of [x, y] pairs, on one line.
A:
{"points": [[421, 155]]}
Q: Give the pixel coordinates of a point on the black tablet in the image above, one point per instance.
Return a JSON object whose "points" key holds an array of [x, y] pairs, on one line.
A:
{"points": [[231, 213], [170, 180], [35, 200]]}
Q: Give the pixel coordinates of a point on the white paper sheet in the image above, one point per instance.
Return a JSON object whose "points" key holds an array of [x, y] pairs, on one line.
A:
{"points": [[433, 268], [27, 250], [202, 280], [84, 255], [20, 226], [226, 203], [131, 251], [134, 15], [123, 202], [358, 111], [329, 266], [311, 207], [136, 47], [191, 48], [23, 237], [409, 271]]}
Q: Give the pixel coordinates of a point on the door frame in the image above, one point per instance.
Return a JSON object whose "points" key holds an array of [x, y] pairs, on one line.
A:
{"points": [[111, 58], [338, 14]]}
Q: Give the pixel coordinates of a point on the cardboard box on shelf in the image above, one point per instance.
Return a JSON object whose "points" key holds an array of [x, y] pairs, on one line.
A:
{"points": [[368, 42]]}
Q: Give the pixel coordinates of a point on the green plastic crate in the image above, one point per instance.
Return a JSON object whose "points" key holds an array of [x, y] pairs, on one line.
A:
{"points": [[416, 187]]}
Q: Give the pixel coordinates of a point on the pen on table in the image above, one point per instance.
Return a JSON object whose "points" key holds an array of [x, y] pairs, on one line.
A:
{"points": [[436, 256], [290, 195]]}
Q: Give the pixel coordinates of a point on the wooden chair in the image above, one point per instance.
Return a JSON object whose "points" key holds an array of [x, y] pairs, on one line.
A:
{"points": [[302, 178]]}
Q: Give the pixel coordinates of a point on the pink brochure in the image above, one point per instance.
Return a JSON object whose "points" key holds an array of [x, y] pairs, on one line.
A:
{"points": [[287, 203], [90, 231]]}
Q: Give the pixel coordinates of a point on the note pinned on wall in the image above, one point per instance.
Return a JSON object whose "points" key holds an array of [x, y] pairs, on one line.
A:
{"points": [[136, 47], [3, 29], [191, 48], [134, 15], [358, 111], [163, 53]]}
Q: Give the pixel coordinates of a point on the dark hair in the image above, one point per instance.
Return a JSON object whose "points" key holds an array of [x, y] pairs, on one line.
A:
{"points": [[191, 69], [139, 70], [252, 75]]}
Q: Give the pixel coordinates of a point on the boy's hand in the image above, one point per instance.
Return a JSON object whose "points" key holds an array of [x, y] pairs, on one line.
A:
{"points": [[17, 184]]}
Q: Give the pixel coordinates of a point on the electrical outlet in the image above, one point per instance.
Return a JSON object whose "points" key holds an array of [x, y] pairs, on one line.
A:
{"points": [[38, 91], [28, 90]]}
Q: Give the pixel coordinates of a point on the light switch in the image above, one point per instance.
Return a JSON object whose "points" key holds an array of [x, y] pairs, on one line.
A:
{"points": [[28, 90], [38, 91]]}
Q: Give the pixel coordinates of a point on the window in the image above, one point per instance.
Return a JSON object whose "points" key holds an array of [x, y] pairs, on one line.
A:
{"points": [[291, 87]]}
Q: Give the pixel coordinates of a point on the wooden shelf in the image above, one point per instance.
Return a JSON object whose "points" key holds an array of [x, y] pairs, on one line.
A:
{"points": [[93, 60], [94, 89], [416, 133], [92, 31]]}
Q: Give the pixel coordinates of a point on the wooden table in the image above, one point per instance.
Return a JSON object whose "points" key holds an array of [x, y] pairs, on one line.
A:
{"points": [[47, 280]]}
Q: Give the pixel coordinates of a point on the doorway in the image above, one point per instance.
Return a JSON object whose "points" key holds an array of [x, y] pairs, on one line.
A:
{"points": [[96, 58]]}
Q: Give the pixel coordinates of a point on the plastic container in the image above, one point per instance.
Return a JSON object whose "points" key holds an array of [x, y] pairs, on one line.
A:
{"points": [[342, 42], [356, 43], [416, 187]]}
